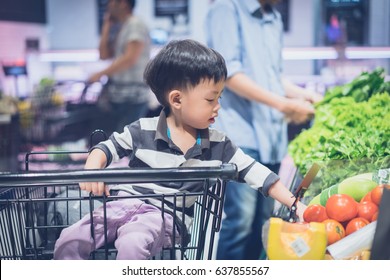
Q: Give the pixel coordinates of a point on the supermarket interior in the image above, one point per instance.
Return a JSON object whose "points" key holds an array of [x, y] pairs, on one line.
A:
{"points": [[47, 44], [48, 107]]}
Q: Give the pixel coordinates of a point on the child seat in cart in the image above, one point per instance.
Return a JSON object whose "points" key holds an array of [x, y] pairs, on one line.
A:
{"points": [[36, 206]]}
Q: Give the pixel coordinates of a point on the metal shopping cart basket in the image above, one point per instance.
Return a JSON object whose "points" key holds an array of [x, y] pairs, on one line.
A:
{"points": [[36, 206]]}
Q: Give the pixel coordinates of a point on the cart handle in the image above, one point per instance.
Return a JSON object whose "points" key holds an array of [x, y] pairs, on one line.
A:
{"points": [[118, 175]]}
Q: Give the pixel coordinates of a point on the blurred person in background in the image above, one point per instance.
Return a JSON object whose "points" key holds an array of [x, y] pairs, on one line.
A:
{"points": [[124, 39], [336, 36], [256, 106]]}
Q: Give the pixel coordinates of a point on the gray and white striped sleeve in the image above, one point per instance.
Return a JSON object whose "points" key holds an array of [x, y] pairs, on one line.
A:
{"points": [[117, 146]]}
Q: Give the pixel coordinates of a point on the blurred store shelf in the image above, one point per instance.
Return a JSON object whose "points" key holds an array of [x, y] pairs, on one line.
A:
{"points": [[289, 53]]}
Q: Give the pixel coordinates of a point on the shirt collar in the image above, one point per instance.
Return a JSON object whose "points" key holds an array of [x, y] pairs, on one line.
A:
{"points": [[161, 131], [254, 8]]}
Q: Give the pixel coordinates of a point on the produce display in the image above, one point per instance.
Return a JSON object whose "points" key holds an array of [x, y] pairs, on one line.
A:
{"points": [[343, 214], [356, 187], [350, 134], [349, 139], [341, 228]]}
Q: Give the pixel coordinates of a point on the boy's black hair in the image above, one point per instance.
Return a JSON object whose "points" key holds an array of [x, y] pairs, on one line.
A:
{"points": [[182, 64]]}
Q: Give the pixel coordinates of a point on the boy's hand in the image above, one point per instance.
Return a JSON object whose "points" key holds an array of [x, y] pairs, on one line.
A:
{"points": [[96, 160], [300, 210], [96, 188]]}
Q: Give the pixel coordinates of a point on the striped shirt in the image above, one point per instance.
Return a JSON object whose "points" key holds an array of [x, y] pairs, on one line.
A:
{"points": [[146, 144]]}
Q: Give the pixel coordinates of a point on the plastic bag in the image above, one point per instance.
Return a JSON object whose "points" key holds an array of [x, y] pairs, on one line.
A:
{"points": [[294, 241], [351, 246]]}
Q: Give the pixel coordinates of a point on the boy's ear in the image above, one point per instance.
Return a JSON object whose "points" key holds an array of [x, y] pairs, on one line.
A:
{"points": [[174, 98]]}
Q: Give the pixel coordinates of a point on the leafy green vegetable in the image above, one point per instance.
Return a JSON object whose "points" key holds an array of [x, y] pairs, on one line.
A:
{"points": [[361, 88], [350, 133]]}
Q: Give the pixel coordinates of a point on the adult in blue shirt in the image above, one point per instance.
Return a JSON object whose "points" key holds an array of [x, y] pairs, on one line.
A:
{"points": [[255, 107]]}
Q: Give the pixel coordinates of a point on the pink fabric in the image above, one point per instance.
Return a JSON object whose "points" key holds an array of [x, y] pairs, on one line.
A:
{"points": [[138, 229]]}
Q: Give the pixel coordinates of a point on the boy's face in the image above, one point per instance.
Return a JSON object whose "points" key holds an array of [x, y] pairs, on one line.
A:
{"points": [[200, 104]]}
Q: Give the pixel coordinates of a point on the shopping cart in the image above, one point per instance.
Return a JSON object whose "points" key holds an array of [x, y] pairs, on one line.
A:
{"points": [[36, 206], [59, 112]]}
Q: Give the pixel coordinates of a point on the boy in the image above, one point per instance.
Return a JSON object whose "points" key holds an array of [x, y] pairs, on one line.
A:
{"points": [[188, 79]]}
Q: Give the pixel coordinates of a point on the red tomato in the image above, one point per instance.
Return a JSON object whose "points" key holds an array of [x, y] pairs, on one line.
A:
{"points": [[315, 213], [355, 224], [376, 194], [375, 217], [341, 207], [367, 197], [367, 209], [334, 230]]}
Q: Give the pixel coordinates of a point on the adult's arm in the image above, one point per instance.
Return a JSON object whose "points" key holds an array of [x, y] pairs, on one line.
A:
{"points": [[105, 48], [297, 111], [127, 60], [294, 91]]}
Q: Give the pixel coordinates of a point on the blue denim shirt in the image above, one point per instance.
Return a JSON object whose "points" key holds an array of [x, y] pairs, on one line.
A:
{"points": [[251, 43]]}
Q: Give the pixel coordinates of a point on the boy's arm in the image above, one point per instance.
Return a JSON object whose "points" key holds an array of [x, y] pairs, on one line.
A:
{"points": [[279, 192], [96, 160], [260, 178]]}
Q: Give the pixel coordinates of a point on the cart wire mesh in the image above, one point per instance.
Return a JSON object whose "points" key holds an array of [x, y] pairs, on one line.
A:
{"points": [[36, 206]]}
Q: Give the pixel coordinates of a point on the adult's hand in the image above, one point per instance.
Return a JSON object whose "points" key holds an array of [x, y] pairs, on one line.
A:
{"points": [[298, 111], [314, 97], [95, 77]]}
